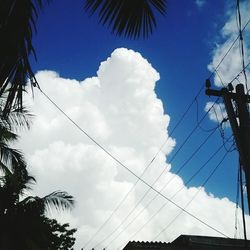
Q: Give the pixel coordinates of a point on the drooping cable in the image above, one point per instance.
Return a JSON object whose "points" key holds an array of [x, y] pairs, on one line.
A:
{"points": [[163, 171], [197, 192], [173, 196], [176, 217], [229, 49], [197, 119], [156, 195], [215, 70], [236, 77], [144, 171], [129, 170]]}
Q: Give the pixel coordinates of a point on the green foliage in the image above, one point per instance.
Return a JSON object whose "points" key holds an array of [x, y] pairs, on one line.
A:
{"points": [[23, 221], [17, 25], [61, 237]]}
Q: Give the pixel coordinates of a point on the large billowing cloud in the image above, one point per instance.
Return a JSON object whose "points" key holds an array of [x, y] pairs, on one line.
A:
{"points": [[120, 109]]}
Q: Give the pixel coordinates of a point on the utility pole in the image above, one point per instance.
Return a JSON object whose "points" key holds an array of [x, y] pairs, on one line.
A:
{"points": [[240, 123]]}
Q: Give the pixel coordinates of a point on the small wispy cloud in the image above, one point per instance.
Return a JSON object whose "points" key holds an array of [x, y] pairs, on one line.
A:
{"points": [[200, 3]]}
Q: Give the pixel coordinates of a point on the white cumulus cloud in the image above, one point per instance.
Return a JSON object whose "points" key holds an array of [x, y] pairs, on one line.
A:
{"points": [[120, 109], [232, 64]]}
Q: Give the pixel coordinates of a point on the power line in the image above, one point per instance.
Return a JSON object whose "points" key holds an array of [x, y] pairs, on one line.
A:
{"points": [[150, 163], [197, 118], [173, 129], [242, 202], [220, 126], [229, 49], [129, 170], [156, 195], [171, 160], [236, 77], [204, 183], [237, 203], [194, 100], [181, 117], [158, 211], [220, 78], [241, 44]]}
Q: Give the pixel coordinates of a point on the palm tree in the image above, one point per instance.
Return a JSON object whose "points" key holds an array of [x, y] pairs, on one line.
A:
{"points": [[23, 220], [132, 18], [10, 158]]}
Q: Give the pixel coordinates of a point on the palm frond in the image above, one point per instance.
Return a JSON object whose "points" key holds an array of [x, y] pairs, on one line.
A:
{"points": [[131, 18], [18, 119], [6, 135], [17, 24], [15, 120], [13, 159], [59, 200], [15, 184]]}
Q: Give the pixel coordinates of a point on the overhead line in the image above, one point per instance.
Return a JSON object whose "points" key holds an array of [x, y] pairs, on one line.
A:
{"points": [[145, 194], [129, 170], [150, 163], [189, 180], [202, 87], [240, 73], [171, 160], [205, 182], [215, 70], [241, 44], [225, 55], [99, 145]]}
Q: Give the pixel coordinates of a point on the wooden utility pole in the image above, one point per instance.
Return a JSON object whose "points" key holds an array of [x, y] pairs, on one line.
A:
{"points": [[239, 119]]}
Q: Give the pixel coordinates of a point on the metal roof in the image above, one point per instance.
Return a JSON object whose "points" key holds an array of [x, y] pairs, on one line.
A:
{"points": [[191, 242]]}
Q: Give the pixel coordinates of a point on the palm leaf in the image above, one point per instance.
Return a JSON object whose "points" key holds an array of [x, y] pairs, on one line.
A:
{"points": [[59, 200], [17, 119], [17, 24], [131, 18], [11, 158], [6, 135], [37, 205]]}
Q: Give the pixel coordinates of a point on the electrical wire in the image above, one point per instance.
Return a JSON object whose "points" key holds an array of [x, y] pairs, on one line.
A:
{"points": [[184, 112], [241, 44], [129, 170], [236, 77], [204, 183], [200, 188], [173, 130], [146, 168], [100, 146], [171, 160], [229, 49], [242, 202], [237, 204], [156, 195], [158, 211], [197, 119], [215, 70]]}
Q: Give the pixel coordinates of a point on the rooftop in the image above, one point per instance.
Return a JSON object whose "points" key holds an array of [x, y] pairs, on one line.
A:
{"points": [[191, 242]]}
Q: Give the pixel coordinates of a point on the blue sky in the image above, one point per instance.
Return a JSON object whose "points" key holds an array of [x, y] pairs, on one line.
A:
{"points": [[72, 44]]}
